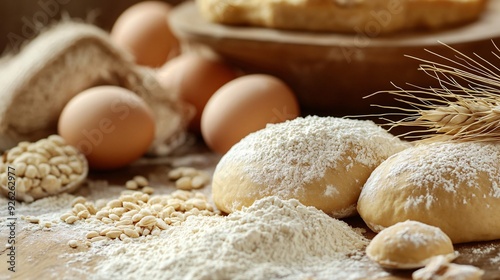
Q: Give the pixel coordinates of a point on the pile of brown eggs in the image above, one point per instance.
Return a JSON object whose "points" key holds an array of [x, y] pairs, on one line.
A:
{"points": [[229, 105]]}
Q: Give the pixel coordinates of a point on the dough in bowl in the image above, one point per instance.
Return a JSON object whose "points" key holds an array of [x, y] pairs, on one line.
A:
{"points": [[453, 186], [321, 162], [364, 17]]}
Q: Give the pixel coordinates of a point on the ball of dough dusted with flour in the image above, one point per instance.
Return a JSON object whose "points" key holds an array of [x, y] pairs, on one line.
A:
{"points": [[322, 162], [453, 186], [409, 245]]}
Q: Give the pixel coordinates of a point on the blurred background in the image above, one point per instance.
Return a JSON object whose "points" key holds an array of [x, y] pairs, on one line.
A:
{"points": [[20, 18], [329, 73]]}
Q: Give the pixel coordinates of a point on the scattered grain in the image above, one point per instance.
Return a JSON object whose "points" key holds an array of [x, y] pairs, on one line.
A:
{"points": [[148, 190], [91, 234], [71, 219], [65, 216], [30, 219], [131, 185], [73, 243], [136, 214], [98, 238], [78, 200], [188, 178], [141, 181]]}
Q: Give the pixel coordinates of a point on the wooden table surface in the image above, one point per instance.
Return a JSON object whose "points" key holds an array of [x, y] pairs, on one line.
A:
{"points": [[43, 254]]}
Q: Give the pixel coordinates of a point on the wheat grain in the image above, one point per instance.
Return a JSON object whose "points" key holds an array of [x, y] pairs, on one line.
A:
{"points": [[465, 106]]}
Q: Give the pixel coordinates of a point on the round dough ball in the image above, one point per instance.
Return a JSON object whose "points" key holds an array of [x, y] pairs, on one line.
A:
{"points": [[453, 186], [409, 245], [322, 162]]}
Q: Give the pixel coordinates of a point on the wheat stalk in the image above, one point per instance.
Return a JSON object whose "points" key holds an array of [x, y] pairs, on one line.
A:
{"points": [[465, 106]]}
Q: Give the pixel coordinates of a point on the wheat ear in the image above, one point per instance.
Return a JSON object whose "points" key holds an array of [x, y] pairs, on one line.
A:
{"points": [[465, 107]]}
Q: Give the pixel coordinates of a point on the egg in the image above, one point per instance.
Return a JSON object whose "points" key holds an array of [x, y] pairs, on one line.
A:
{"points": [[245, 105], [195, 79], [111, 126], [143, 30]]}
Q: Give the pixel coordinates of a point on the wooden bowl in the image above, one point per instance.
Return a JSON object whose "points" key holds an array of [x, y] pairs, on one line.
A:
{"points": [[331, 73]]}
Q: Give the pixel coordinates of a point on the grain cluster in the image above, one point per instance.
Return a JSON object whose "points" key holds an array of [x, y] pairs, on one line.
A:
{"points": [[43, 168], [139, 183], [188, 178], [136, 213]]}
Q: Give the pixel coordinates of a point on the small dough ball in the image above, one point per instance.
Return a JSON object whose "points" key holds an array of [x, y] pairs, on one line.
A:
{"points": [[143, 30], [409, 245], [322, 162], [453, 186]]}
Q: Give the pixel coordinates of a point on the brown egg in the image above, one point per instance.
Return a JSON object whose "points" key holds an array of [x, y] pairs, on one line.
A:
{"points": [[195, 79], [143, 30], [112, 126], [243, 106]]}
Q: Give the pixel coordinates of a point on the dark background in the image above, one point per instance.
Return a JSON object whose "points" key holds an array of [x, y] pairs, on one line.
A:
{"points": [[19, 18]]}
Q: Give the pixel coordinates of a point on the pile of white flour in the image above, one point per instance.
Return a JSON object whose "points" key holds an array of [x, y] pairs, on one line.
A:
{"points": [[272, 239]]}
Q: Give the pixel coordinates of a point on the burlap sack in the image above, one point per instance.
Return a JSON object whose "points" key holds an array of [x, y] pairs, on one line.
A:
{"points": [[64, 60]]}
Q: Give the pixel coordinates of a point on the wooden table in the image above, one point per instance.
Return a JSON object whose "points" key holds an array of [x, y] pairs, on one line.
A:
{"points": [[45, 254]]}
